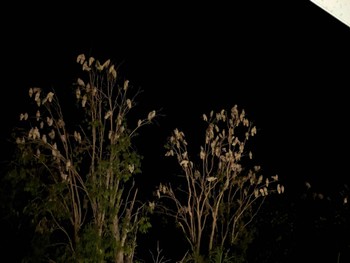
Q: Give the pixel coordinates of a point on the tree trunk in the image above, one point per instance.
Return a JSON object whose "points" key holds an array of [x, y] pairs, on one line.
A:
{"points": [[119, 257]]}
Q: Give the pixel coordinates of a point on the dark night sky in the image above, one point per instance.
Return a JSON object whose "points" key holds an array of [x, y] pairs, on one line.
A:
{"points": [[286, 64]]}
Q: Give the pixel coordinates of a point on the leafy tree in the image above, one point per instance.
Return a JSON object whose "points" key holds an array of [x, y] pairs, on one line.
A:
{"points": [[221, 193], [77, 170]]}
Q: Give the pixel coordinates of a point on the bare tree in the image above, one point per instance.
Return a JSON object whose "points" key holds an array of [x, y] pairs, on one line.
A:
{"points": [[221, 194]]}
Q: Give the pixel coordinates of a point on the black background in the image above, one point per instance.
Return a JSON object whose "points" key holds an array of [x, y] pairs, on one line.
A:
{"points": [[286, 64]]}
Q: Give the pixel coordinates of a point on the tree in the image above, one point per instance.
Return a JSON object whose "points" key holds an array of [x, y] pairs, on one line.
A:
{"points": [[78, 170], [221, 193]]}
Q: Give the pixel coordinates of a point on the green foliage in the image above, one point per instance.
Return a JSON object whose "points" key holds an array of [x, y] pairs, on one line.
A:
{"points": [[219, 256], [74, 179], [144, 225], [75, 176], [91, 247]]}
